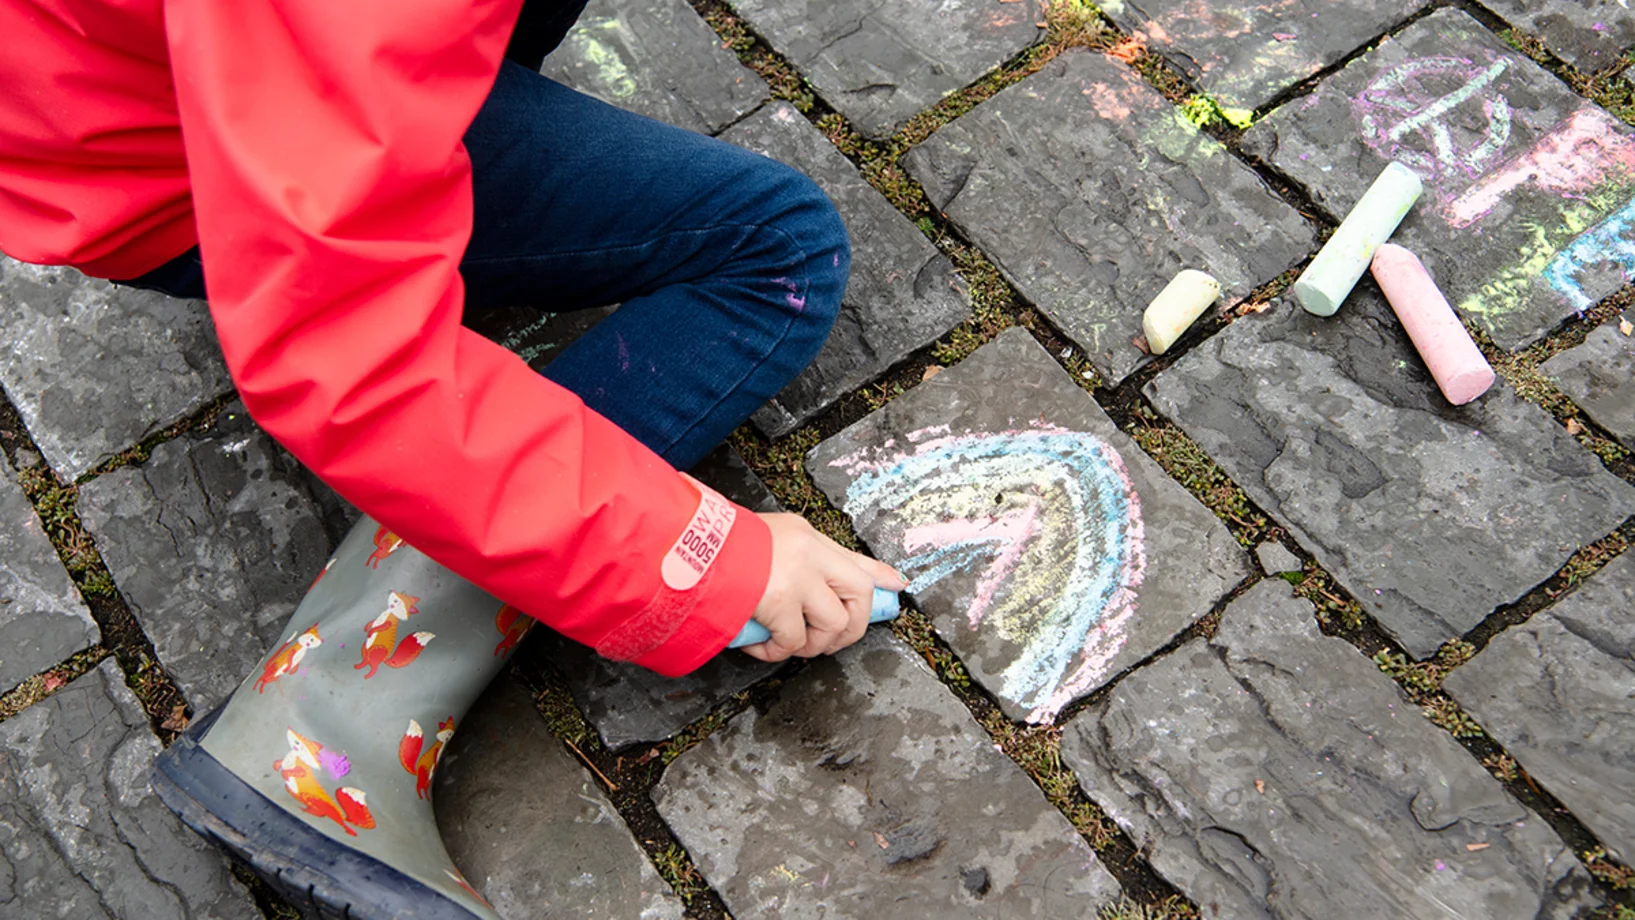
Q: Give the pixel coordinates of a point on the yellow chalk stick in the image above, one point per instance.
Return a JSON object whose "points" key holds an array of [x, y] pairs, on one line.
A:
{"points": [[1177, 307]]}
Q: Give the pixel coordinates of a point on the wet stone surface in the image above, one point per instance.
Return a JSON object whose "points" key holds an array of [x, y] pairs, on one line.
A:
{"points": [[212, 542], [530, 828], [81, 832], [657, 58], [628, 704], [1589, 34], [851, 797], [1430, 515], [42, 618], [880, 63], [1244, 53], [1557, 692], [1274, 772], [535, 336], [1275, 558], [903, 293], [94, 368], [1049, 551], [1091, 191], [1528, 188], [1599, 375]]}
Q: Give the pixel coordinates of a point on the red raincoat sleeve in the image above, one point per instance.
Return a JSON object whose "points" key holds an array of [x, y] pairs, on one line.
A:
{"points": [[333, 199]]}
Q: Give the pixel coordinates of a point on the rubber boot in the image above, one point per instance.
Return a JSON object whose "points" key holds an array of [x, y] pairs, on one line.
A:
{"points": [[318, 770]]}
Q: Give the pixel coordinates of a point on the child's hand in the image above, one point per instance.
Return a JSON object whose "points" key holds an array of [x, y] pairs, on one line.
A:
{"points": [[818, 598]]}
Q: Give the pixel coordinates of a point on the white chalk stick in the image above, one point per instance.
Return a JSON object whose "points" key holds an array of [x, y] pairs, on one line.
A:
{"points": [[1347, 254], [1177, 307], [1454, 360]]}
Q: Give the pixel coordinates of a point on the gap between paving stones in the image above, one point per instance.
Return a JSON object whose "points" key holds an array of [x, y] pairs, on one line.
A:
{"points": [[1607, 87], [1521, 370], [122, 636], [628, 776]]}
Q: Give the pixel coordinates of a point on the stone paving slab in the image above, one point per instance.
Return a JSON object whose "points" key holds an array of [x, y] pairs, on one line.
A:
{"points": [[81, 832], [1090, 191], [535, 336], [1275, 559], [212, 543], [94, 368], [42, 618], [1430, 515], [531, 830], [1049, 551], [628, 704], [1529, 189], [879, 64], [852, 797], [1599, 375], [903, 293], [1558, 691], [1245, 53], [1589, 34], [1274, 772], [657, 58]]}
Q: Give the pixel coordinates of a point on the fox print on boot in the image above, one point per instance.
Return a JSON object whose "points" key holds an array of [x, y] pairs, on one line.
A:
{"points": [[317, 771]]}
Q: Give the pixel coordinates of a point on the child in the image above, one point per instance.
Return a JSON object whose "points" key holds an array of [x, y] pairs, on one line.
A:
{"points": [[350, 179]]}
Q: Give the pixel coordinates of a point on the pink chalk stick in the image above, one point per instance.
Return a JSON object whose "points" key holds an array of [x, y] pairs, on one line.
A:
{"points": [[1453, 359]]}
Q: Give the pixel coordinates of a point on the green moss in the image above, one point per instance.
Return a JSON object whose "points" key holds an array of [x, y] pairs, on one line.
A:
{"points": [[1333, 611], [1186, 462], [677, 870], [36, 688], [1610, 872], [1171, 908]]}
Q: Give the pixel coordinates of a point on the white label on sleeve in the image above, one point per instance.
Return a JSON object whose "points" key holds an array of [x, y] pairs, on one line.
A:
{"points": [[701, 541]]}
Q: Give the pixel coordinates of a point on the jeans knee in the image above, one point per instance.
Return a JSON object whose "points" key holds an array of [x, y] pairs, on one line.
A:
{"points": [[820, 245]]}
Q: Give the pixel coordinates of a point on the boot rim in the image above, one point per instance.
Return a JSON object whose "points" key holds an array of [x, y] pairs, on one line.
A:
{"points": [[306, 867]]}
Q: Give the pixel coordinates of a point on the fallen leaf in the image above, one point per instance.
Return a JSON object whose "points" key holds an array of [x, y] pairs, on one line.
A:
{"points": [[852, 844], [1625, 326], [1473, 847], [881, 840], [1127, 50], [51, 682], [177, 720], [1140, 342], [1573, 428], [930, 372], [1260, 786]]}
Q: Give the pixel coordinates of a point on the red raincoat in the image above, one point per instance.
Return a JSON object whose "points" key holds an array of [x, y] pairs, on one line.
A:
{"points": [[312, 149]]}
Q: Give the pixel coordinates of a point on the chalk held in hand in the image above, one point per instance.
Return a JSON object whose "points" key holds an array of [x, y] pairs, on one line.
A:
{"points": [[886, 607], [1343, 259], [1177, 307], [1454, 360]]}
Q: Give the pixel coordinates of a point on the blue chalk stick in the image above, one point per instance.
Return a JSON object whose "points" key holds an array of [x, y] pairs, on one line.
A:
{"points": [[886, 607]]}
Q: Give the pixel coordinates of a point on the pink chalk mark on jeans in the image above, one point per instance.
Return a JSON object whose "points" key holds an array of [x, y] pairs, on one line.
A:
{"points": [[793, 298], [1586, 149], [1012, 530]]}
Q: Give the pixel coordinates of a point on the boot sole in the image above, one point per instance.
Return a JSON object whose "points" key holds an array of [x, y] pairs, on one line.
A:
{"points": [[321, 877]]}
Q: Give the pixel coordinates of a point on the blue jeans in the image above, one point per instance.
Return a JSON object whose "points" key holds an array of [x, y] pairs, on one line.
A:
{"points": [[730, 266]]}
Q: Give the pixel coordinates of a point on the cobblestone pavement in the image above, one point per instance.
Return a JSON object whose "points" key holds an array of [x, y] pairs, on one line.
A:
{"points": [[1259, 628]]}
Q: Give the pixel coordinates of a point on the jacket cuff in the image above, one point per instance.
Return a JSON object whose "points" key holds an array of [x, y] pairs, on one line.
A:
{"points": [[713, 611]]}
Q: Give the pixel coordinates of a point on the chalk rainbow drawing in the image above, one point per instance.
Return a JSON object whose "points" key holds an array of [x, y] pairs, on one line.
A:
{"points": [[1608, 241], [1049, 520], [1585, 150]]}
